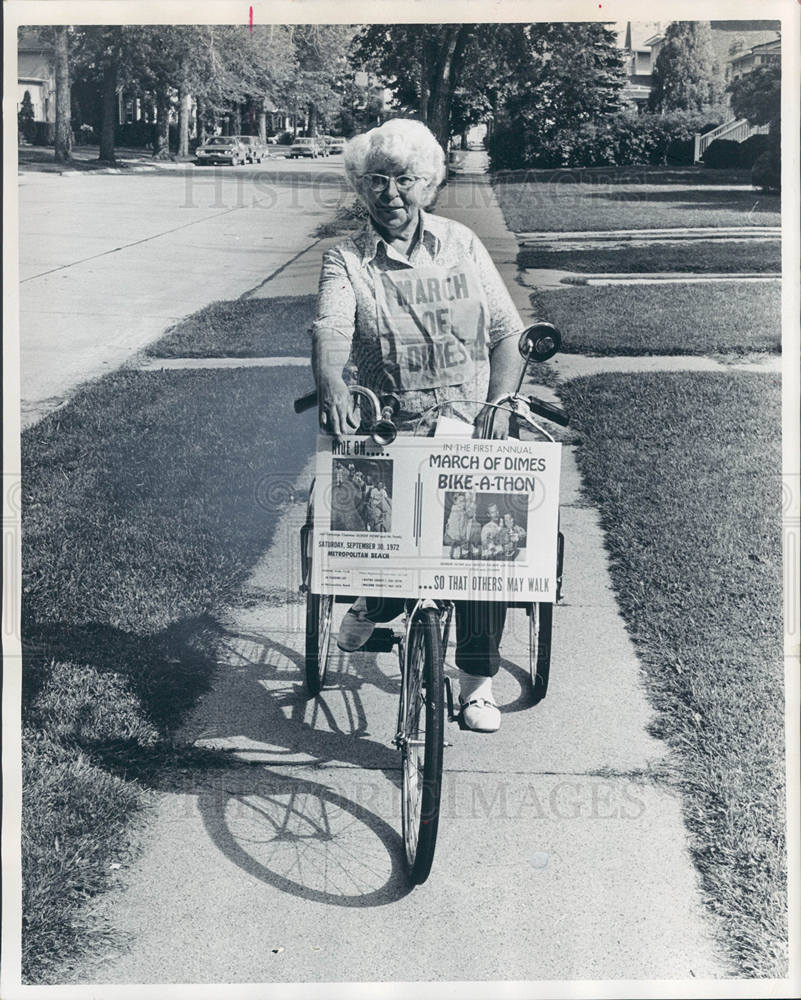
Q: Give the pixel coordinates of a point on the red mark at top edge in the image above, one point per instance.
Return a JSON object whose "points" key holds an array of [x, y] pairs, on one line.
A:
{"points": [[251, 20]]}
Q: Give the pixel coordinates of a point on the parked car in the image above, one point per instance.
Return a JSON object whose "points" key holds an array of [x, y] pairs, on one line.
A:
{"points": [[256, 149], [304, 146], [336, 145], [222, 149]]}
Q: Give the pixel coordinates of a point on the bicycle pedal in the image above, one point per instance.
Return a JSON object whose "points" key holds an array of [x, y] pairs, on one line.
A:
{"points": [[381, 641]]}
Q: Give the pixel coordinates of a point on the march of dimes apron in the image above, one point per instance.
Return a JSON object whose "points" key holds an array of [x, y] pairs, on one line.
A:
{"points": [[432, 325]]}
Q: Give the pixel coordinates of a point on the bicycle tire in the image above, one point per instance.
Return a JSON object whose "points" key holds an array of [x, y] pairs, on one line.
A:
{"points": [[540, 629], [422, 756], [319, 609]]}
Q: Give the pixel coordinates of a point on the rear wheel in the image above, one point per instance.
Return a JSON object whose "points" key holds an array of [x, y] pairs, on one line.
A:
{"points": [[422, 744], [319, 609], [540, 626]]}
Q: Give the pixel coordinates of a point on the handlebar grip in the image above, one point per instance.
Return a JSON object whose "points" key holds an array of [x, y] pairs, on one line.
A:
{"points": [[306, 402], [548, 410]]}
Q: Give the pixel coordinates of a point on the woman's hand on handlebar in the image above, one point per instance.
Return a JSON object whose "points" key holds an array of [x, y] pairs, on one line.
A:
{"points": [[339, 414], [495, 418]]}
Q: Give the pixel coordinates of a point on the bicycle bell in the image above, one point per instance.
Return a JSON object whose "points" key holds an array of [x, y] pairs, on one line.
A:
{"points": [[384, 431]]}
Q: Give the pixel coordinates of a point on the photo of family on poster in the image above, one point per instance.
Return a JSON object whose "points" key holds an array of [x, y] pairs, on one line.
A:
{"points": [[361, 497], [485, 526]]}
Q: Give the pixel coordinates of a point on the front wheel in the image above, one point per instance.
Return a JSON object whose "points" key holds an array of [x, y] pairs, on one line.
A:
{"points": [[540, 627], [319, 610], [422, 743]]}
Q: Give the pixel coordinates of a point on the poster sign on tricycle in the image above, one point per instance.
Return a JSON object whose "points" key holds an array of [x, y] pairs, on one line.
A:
{"points": [[449, 518]]}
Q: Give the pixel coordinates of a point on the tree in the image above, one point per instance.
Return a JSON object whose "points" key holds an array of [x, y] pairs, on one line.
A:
{"points": [[111, 58], [103, 59], [457, 75], [571, 74], [318, 82], [63, 139], [686, 77], [423, 62], [227, 68], [757, 96], [25, 118]]}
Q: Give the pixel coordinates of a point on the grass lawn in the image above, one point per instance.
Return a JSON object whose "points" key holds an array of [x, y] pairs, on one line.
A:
{"points": [[558, 202], [686, 471], [705, 256], [242, 328], [348, 218], [725, 317], [642, 174], [146, 501]]}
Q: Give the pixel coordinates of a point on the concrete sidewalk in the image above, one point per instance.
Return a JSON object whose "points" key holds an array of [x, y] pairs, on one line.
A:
{"points": [[559, 856], [562, 854]]}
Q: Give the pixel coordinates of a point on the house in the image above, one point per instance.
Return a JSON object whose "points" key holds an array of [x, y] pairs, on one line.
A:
{"points": [[733, 41], [638, 61], [741, 47], [742, 63], [36, 74], [738, 47]]}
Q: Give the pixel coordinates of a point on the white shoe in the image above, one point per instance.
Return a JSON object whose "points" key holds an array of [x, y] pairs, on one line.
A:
{"points": [[481, 715], [479, 711], [356, 627]]}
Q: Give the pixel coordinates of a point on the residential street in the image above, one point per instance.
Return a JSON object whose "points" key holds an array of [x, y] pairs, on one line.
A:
{"points": [[581, 248], [108, 262], [286, 867]]}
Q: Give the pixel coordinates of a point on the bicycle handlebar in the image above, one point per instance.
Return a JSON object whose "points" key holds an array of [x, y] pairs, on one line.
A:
{"points": [[548, 410], [382, 427], [306, 402]]}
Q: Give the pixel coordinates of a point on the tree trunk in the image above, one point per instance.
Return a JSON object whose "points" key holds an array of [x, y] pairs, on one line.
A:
{"points": [[312, 129], [450, 62], [110, 115], [63, 144], [184, 112], [263, 126], [424, 95], [200, 125], [161, 135]]}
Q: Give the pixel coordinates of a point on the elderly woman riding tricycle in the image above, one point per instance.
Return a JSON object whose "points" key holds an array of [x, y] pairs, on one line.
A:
{"points": [[415, 302]]}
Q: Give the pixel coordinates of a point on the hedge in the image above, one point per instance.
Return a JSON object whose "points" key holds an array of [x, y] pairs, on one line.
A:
{"points": [[722, 153], [753, 148], [625, 140]]}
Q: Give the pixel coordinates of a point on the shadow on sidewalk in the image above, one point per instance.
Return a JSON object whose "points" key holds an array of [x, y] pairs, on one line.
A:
{"points": [[324, 841]]}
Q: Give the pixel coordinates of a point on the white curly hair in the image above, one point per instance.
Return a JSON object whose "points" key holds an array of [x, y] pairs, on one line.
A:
{"points": [[403, 141]]}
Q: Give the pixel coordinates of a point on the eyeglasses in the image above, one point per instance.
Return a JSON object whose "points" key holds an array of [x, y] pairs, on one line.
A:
{"points": [[378, 182]]}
